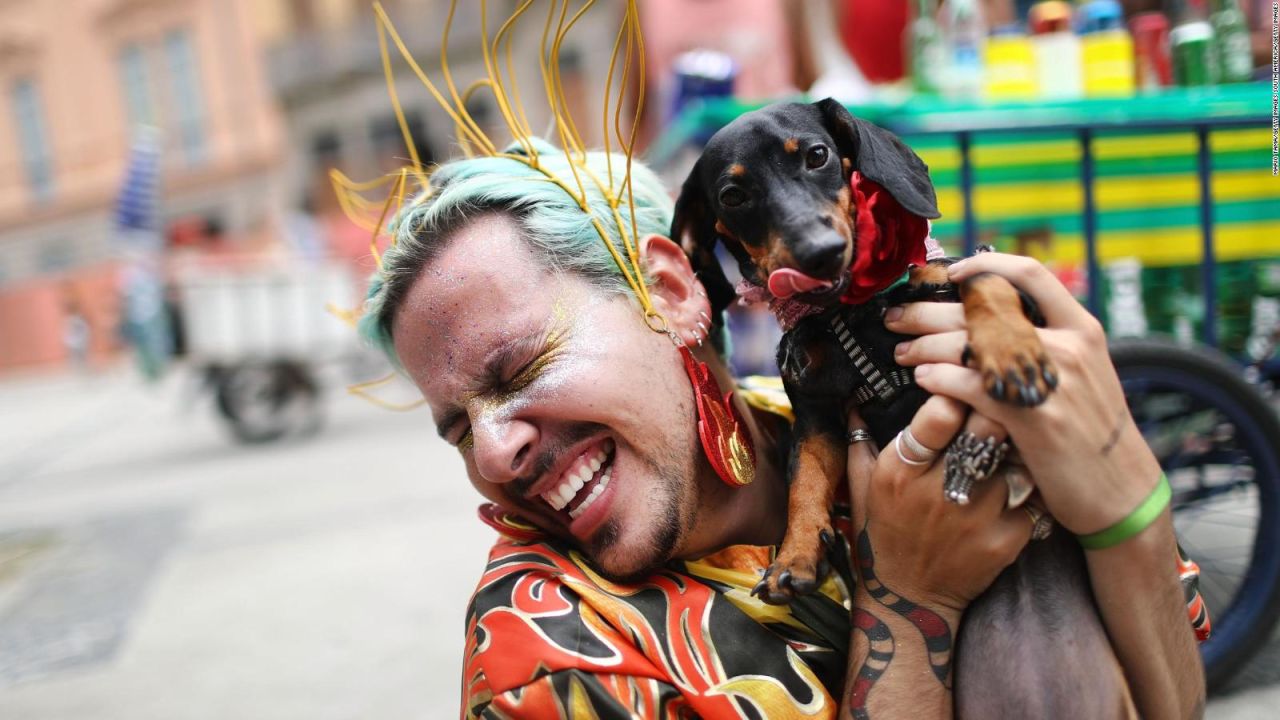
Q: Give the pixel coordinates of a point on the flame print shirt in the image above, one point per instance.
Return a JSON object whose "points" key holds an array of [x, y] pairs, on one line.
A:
{"points": [[549, 638]]}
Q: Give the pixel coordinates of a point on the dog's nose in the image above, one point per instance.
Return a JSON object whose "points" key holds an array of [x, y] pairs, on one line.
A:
{"points": [[821, 255]]}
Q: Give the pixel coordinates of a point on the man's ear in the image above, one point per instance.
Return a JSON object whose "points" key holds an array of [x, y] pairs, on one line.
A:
{"points": [[674, 289], [693, 225], [880, 156]]}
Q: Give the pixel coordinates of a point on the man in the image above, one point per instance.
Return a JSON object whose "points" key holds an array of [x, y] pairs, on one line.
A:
{"points": [[622, 585]]}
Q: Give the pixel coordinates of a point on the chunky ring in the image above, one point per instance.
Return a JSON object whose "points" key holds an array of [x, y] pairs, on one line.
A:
{"points": [[916, 447], [858, 435], [969, 461], [897, 446], [1041, 522]]}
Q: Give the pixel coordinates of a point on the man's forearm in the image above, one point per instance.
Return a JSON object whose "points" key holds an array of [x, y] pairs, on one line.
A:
{"points": [[898, 643], [891, 671], [1138, 592]]}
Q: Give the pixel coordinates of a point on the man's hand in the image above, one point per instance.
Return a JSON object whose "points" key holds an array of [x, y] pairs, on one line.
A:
{"points": [[920, 561], [943, 553], [1091, 465]]}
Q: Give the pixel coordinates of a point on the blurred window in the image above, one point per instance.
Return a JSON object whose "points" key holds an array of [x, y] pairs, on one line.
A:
{"points": [[388, 141], [137, 85], [188, 106], [32, 139], [326, 149], [304, 15]]}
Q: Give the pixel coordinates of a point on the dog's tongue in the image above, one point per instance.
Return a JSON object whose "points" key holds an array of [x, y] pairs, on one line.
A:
{"points": [[787, 282]]}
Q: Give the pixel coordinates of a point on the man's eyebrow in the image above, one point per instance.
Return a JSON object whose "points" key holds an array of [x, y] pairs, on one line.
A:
{"points": [[451, 418], [496, 365], [506, 355]]}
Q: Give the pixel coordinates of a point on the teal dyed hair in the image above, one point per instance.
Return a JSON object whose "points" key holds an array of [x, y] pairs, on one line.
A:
{"points": [[551, 222]]}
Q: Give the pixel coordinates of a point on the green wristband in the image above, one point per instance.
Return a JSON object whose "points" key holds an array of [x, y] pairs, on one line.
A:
{"points": [[1137, 521]]}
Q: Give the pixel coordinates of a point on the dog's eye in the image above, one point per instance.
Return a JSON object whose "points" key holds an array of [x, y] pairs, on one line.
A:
{"points": [[732, 197], [817, 157]]}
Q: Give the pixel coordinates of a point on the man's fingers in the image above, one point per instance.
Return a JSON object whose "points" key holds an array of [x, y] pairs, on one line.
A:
{"points": [[1060, 309], [945, 347], [923, 318], [963, 384], [934, 424]]}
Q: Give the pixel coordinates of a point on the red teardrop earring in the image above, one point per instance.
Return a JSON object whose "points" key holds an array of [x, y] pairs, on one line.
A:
{"points": [[725, 440]]}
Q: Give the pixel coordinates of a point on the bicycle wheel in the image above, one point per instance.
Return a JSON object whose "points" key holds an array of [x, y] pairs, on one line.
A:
{"points": [[1215, 437]]}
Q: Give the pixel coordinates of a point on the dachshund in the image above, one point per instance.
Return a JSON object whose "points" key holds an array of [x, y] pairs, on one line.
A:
{"points": [[827, 216]]}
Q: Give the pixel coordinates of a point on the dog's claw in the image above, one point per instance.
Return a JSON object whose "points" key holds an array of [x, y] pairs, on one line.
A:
{"points": [[784, 580], [1015, 384], [825, 536], [997, 389], [967, 355], [1049, 378], [760, 588]]}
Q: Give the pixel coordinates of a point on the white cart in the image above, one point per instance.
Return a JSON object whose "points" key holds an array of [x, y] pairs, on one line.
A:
{"points": [[259, 332]]}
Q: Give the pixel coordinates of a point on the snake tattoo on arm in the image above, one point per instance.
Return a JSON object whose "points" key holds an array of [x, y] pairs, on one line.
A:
{"points": [[936, 632], [879, 655]]}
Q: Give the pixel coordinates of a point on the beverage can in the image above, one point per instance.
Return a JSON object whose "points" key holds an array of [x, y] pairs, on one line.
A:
{"points": [[1153, 65], [1195, 58]]}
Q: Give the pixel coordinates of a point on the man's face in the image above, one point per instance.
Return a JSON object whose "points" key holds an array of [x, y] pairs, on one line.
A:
{"points": [[566, 408]]}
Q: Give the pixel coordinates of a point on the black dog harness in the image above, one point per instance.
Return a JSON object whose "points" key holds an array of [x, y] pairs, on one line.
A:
{"points": [[878, 380]]}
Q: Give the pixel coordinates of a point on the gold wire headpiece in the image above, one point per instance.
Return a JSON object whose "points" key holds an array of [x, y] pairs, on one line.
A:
{"points": [[500, 81]]}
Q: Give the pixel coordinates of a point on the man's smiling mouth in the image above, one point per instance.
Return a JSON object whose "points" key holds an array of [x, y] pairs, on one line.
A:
{"points": [[583, 482]]}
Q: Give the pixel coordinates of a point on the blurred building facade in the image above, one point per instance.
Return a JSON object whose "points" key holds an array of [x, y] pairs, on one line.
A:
{"points": [[326, 70], [77, 80]]}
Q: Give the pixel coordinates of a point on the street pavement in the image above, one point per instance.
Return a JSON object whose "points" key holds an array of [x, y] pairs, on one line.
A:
{"points": [[152, 568]]}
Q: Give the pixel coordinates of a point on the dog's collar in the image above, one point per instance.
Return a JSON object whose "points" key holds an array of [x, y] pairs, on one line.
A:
{"points": [[788, 310]]}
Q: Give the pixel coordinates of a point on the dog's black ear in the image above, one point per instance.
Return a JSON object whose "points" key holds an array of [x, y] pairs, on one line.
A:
{"points": [[694, 227], [881, 156]]}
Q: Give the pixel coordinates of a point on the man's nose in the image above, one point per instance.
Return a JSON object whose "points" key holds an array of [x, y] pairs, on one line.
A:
{"points": [[503, 449]]}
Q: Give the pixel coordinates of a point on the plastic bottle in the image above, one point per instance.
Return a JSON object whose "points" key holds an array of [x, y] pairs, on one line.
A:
{"points": [[1057, 50], [928, 49], [1106, 48], [1231, 30], [965, 32], [1195, 55], [1011, 65]]}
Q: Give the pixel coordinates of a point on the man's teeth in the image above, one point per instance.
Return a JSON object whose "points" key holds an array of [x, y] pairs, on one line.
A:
{"points": [[575, 478], [595, 493]]}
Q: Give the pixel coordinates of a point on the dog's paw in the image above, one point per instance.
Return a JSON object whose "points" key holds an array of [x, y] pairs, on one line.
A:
{"points": [[799, 568], [1013, 363]]}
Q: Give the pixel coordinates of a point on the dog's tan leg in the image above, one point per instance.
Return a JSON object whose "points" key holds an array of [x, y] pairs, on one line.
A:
{"points": [[1003, 344], [818, 464]]}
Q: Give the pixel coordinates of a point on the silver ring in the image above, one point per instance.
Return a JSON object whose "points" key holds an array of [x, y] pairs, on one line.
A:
{"points": [[897, 446], [916, 447], [858, 435]]}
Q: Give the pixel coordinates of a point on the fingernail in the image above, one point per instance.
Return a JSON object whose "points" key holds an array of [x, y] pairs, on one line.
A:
{"points": [[902, 347], [893, 315], [922, 370], [955, 267]]}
